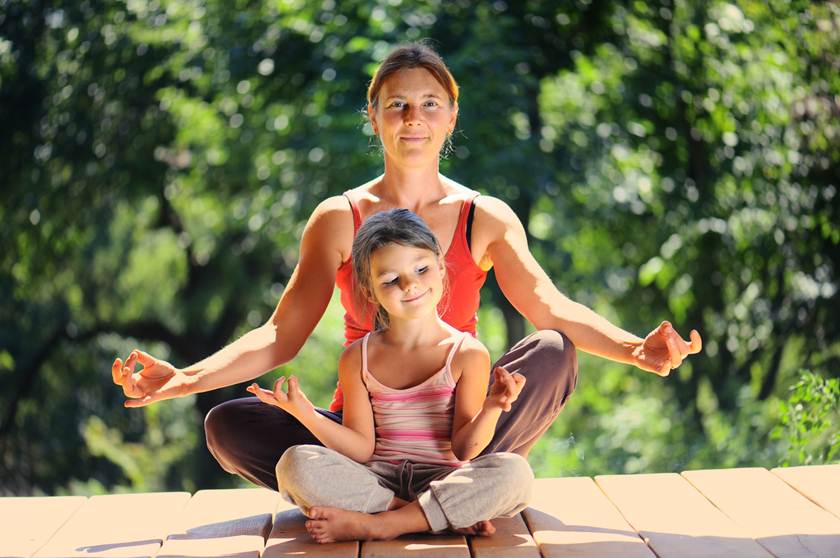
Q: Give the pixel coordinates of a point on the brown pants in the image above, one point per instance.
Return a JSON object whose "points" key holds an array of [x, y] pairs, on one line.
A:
{"points": [[247, 437]]}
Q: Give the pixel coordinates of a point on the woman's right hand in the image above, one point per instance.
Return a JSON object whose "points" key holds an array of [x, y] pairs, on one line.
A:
{"points": [[157, 379]]}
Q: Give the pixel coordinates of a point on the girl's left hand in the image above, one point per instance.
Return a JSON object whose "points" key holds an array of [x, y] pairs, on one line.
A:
{"points": [[504, 390], [293, 402], [663, 349]]}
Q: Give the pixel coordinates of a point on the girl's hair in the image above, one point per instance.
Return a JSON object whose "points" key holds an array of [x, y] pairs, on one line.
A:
{"points": [[395, 226], [413, 55]]}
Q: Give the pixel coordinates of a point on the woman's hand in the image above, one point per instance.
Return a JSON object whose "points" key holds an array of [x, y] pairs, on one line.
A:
{"points": [[157, 379], [663, 349], [293, 402], [505, 389]]}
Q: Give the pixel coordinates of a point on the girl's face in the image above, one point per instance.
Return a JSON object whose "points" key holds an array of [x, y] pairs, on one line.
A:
{"points": [[413, 117], [406, 281]]}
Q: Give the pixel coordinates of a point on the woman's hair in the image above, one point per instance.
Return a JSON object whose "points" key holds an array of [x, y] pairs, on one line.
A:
{"points": [[395, 226], [413, 55]]}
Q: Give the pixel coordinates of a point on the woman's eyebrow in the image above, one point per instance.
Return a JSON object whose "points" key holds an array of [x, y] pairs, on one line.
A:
{"points": [[400, 96]]}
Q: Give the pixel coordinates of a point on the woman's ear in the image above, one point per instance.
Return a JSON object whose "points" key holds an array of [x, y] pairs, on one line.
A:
{"points": [[371, 112], [453, 120]]}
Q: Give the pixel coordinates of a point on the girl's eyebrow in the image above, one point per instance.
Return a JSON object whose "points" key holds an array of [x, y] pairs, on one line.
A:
{"points": [[387, 271]]}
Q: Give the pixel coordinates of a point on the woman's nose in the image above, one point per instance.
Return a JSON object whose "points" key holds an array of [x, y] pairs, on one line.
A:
{"points": [[411, 114]]}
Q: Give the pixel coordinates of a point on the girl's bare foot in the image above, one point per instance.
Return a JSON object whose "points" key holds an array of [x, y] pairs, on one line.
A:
{"points": [[481, 529], [333, 524]]}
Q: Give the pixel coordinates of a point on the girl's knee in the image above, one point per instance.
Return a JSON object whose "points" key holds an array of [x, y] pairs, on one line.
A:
{"points": [[295, 465], [519, 477]]}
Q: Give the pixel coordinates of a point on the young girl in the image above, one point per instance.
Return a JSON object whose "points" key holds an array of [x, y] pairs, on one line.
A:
{"points": [[416, 409]]}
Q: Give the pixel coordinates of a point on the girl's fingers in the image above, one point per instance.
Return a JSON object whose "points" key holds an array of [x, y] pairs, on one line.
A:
{"points": [[294, 385], [674, 354], [278, 386]]}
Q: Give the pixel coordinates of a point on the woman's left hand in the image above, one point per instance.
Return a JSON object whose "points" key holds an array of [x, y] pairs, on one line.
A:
{"points": [[663, 349]]}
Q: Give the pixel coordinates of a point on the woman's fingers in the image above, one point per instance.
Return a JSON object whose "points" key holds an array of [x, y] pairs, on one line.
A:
{"points": [[145, 359], [116, 371], [141, 402], [696, 342]]}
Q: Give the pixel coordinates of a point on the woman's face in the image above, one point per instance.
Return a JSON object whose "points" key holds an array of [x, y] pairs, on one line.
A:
{"points": [[412, 117]]}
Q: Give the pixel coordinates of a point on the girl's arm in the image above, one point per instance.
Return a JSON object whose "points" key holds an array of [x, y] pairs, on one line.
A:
{"points": [[501, 237], [355, 437], [277, 341], [476, 411]]}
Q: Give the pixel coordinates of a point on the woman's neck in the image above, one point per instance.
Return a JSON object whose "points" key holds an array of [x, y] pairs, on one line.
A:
{"points": [[418, 332], [411, 187]]}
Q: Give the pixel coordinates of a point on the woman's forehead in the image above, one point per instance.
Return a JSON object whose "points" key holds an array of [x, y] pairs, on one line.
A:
{"points": [[411, 82]]}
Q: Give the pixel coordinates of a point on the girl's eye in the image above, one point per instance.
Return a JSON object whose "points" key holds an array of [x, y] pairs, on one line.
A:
{"points": [[423, 269], [392, 282]]}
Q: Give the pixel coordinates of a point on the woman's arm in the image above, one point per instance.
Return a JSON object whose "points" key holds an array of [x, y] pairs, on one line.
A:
{"points": [[532, 293], [476, 411], [277, 341], [355, 436]]}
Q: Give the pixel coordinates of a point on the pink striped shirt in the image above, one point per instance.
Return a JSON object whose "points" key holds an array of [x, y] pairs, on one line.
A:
{"points": [[414, 424]]}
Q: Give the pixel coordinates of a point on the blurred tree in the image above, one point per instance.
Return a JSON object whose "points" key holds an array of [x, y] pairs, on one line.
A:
{"points": [[159, 159]]}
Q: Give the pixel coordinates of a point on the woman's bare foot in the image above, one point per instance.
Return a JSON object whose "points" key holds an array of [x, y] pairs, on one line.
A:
{"points": [[481, 529]]}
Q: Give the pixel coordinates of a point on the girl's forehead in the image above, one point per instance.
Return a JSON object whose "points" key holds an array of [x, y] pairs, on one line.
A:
{"points": [[396, 255]]}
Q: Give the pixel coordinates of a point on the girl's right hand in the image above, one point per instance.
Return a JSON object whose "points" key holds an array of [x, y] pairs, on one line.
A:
{"points": [[157, 379], [293, 402]]}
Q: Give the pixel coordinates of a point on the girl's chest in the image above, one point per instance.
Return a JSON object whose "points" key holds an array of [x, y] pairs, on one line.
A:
{"points": [[406, 369]]}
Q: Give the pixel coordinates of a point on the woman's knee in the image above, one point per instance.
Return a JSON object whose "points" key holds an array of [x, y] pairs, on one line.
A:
{"points": [[554, 362], [220, 425]]}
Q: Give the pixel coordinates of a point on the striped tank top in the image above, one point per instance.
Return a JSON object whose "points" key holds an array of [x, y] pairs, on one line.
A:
{"points": [[414, 424]]}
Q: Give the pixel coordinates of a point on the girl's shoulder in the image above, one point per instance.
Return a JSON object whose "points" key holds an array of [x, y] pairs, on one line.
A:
{"points": [[471, 355]]}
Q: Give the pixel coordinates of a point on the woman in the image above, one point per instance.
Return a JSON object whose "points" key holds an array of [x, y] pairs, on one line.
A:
{"points": [[413, 109]]}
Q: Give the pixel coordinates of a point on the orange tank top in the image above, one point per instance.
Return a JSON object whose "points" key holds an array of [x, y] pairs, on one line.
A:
{"points": [[457, 307]]}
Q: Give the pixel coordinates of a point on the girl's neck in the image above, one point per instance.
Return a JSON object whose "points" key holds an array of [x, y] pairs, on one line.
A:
{"points": [[418, 332], [411, 187]]}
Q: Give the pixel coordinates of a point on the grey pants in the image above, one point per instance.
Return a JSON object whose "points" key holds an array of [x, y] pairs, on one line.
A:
{"points": [[247, 437], [490, 486]]}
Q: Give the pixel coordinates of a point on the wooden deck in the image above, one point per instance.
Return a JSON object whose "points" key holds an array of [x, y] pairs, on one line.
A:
{"points": [[729, 513]]}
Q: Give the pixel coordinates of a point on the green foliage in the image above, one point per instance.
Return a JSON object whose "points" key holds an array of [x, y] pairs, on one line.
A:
{"points": [[159, 160], [809, 421]]}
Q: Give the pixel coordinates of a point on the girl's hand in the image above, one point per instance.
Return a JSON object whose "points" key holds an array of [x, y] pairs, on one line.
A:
{"points": [[664, 349], [505, 389], [293, 402], [157, 379]]}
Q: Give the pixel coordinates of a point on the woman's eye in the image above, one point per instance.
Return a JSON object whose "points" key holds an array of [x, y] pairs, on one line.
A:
{"points": [[431, 104]]}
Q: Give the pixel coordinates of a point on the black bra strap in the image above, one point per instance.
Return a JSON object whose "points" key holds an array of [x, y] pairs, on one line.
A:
{"points": [[470, 217]]}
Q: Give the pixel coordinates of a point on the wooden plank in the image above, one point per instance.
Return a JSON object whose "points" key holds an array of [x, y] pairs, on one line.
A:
{"points": [[777, 516], [572, 517], [289, 538], [819, 483], [223, 523], [511, 540], [675, 519], [28, 523], [427, 546], [118, 525]]}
